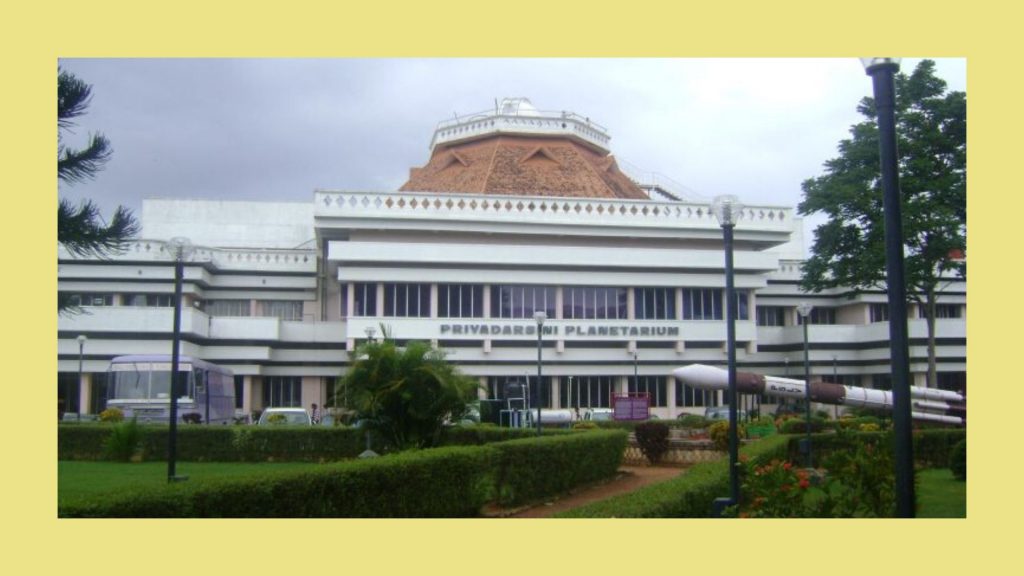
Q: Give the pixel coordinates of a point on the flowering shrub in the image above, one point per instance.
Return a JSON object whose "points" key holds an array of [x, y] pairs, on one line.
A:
{"points": [[869, 427], [774, 490], [719, 434], [112, 415]]}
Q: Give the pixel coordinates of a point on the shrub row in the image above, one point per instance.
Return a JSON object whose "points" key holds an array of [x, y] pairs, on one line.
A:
{"points": [[932, 448], [688, 496], [449, 482], [253, 443]]}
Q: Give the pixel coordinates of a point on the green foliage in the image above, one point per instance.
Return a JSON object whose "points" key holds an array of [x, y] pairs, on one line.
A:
{"points": [[694, 421], [774, 490], [585, 425], [934, 447], [539, 467], [799, 426], [689, 495], [719, 434], [653, 440], [407, 395], [958, 460], [112, 415], [123, 441], [862, 481], [439, 483]]}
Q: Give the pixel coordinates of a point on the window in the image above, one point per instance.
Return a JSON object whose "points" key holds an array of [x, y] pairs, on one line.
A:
{"points": [[952, 381], [591, 303], [282, 392], [941, 311], [822, 315], [654, 386], [228, 308], [239, 390], [522, 301], [365, 299], [771, 316], [742, 305], [881, 381], [654, 303], [689, 397], [879, 313], [283, 309], [702, 304], [90, 299], [407, 300], [150, 300], [460, 301], [587, 391], [518, 391], [344, 301]]}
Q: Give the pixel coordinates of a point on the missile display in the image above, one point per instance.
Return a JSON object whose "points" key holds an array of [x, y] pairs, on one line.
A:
{"points": [[930, 404]]}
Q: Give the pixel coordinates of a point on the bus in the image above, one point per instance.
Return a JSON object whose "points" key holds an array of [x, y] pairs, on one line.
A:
{"points": [[140, 386]]}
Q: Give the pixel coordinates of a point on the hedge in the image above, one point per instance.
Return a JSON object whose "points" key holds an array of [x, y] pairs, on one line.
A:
{"points": [[439, 483], [688, 496], [449, 482], [534, 468], [932, 448], [256, 443]]}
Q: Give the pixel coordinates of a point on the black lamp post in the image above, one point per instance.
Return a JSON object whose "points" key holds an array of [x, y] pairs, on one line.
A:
{"points": [[539, 317], [727, 210], [804, 310], [180, 249], [636, 370], [883, 72], [81, 348]]}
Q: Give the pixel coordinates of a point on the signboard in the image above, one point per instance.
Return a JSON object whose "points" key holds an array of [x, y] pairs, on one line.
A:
{"points": [[631, 406]]}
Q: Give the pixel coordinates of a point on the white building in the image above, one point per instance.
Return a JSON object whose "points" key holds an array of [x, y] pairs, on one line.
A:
{"points": [[517, 210]]}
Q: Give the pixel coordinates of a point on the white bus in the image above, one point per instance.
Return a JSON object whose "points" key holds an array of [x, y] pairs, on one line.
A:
{"points": [[140, 387]]}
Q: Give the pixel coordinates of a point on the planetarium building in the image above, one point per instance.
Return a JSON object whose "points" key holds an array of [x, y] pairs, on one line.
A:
{"points": [[516, 211]]}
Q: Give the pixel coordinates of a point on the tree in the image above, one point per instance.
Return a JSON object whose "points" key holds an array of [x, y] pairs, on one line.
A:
{"points": [[80, 229], [406, 394], [849, 249]]}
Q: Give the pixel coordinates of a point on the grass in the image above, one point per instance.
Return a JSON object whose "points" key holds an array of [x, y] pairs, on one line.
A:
{"points": [[939, 495], [78, 481]]}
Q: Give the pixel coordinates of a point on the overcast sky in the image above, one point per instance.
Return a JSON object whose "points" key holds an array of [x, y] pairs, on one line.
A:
{"points": [[280, 129]]}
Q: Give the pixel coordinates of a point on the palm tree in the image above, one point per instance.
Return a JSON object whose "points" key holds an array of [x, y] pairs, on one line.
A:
{"points": [[407, 394]]}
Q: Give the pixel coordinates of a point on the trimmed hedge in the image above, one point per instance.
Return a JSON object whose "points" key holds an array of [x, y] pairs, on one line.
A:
{"points": [[932, 448], [958, 460], [439, 483], [534, 468], [688, 496]]}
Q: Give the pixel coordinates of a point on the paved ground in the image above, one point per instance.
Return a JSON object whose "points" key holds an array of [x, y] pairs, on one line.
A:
{"points": [[628, 479]]}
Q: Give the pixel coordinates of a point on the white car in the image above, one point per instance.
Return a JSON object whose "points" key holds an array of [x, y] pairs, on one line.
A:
{"points": [[599, 414], [285, 416]]}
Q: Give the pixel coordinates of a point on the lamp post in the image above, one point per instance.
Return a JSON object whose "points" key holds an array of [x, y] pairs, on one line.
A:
{"points": [[370, 333], [180, 249], [882, 72], [728, 210], [804, 310], [636, 370], [539, 317], [81, 347]]}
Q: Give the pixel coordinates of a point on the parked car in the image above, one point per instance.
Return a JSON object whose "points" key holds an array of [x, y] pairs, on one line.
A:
{"points": [[722, 413], [285, 416], [599, 414]]}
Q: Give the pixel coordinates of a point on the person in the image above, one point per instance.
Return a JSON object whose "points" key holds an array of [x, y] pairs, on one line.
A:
{"points": [[315, 414]]}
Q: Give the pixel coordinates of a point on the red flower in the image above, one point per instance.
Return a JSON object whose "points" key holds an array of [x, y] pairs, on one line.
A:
{"points": [[787, 465], [804, 483]]}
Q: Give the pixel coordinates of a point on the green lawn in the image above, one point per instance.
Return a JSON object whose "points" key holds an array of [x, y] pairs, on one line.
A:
{"points": [[939, 495], [78, 480]]}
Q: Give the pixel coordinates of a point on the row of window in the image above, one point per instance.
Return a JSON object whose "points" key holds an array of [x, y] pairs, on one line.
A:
{"points": [[283, 309], [523, 301], [594, 391]]}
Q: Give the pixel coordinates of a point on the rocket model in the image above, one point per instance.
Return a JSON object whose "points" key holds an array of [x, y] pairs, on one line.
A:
{"points": [[926, 403]]}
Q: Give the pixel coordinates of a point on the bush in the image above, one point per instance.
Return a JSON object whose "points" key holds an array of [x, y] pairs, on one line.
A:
{"points": [[123, 441], [799, 426], [719, 434], [653, 440], [958, 460], [694, 421], [112, 415], [534, 468], [933, 448], [585, 426]]}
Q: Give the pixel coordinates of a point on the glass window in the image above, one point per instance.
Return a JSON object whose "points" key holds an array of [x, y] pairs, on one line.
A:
{"points": [[820, 315], [654, 303], [879, 312], [587, 391], [283, 309], [239, 390], [952, 381], [941, 311], [689, 397], [282, 392], [702, 304], [460, 300], [742, 305], [365, 299], [150, 300], [771, 316], [228, 308], [654, 386], [592, 303], [522, 301], [881, 381], [407, 300], [518, 391], [91, 299]]}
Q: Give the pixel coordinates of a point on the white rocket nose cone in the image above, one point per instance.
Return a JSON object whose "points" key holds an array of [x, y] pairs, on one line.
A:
{"points": [[703, 376]]}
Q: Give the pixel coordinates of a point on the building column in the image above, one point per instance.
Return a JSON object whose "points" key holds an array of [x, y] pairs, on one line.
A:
{"points": [[84, 393], [556, 389], [670, 396]]}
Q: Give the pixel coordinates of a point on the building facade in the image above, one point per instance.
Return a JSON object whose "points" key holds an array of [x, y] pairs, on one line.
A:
{"points": [[516, 211]]}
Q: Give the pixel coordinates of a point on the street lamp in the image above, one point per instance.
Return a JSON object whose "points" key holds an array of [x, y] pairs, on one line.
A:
{"points": [[882, 72], [370, 333], [804, 310], [181, 249], [81, 346], [539, 317], [636, 370], [728, 210]]}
